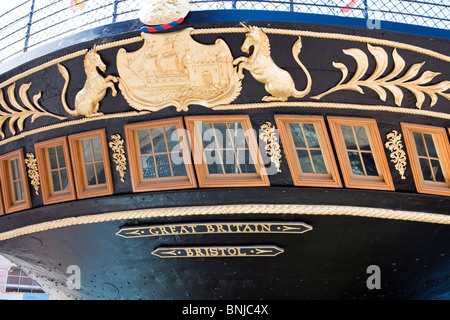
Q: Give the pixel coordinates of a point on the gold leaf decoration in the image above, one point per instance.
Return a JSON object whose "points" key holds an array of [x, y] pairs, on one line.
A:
{"points": [[33, 172], [419, 86], [398, 155], [17, 114], [119, 158], [269, 136]]}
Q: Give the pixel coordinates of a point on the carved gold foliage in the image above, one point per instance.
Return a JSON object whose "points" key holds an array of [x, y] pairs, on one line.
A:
{"points": [[33, 172], [119, 158], [270, 137], [398, 155], [17, 114], [418, 86]]}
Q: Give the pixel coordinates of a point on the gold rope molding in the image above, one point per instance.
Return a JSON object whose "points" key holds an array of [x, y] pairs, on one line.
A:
{"points": [[232, 209], [332, 105], [334, 36]]}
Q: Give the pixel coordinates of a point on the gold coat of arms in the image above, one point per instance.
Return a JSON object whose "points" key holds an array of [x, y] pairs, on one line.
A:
{"points": [[173, 69]]}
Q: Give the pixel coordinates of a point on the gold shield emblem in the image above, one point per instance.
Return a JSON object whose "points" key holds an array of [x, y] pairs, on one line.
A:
{"points": [[172, 69]]}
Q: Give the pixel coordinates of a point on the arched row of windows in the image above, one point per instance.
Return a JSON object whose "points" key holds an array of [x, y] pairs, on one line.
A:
{"points": [[222, 151]]}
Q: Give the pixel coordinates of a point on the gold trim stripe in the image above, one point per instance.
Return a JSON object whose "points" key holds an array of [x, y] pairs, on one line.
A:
{"points": [[291, 104], [333, 36], [72, 123], [234, 210], [331, 105]]}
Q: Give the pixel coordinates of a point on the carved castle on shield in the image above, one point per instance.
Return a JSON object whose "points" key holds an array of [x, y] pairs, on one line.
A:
{"points": [[174, 70]]}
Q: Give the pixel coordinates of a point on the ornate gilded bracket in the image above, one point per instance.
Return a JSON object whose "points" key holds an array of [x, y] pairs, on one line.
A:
{"points": [[269, 135], [398, 155], [119, 158], [33, 172], [380, 83]]}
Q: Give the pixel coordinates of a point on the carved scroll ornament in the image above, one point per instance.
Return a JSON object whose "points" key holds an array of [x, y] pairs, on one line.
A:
{"points": [[119, 157], [398, 155], [33, 172], [270, 137]]}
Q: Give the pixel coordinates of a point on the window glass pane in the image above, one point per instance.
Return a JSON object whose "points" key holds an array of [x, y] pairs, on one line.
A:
{"points": [[163, 165], [18, 169], [13, 280], [145, 145], [297, 135], [319, 163], [55, 179], [230, 164], [64, 180], [52, 158], [305, 161], [90, 174], [18, 196], [361, 135], [14, 172], [178, 167], [437, 170], [246, 162], [209, 141], [421, 151], [430, 145], [21, 190], [349, 137], [223, 135], [87, 151], [148, 167], [172, 137], [61, 160], [355, 163], [97, 146], [159, 143], [369, 163], [238, 135], [311, 136], [100, 173], [426, 170], [213, 162]]}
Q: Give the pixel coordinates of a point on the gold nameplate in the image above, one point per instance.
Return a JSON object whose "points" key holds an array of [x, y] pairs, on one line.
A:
{"points": [[214, 252], [214, 228], [172, 69]]}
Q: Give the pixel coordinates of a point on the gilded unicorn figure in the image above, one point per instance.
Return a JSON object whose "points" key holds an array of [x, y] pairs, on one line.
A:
{"points": [[87, 100], [278, 82]]}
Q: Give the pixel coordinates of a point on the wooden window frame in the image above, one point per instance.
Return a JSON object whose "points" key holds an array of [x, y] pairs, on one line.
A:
{"points": [[48, 195], [5, 176], [205, 180], [168, 183], [332, 179], [443, 148], [381, 182], [83, 190], [2, 208]]}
